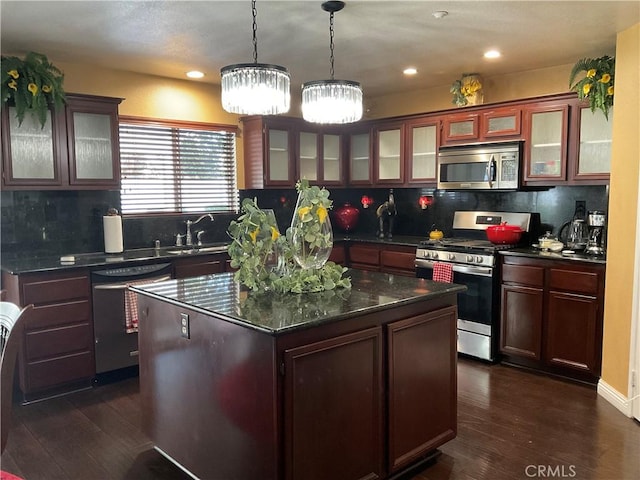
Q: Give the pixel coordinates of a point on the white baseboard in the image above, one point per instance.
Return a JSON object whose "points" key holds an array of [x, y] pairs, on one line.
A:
{"points": [[614, 397]]}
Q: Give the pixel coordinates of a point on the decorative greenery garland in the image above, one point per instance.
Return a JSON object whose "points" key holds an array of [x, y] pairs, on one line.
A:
{"points": [[31, 85], [597, 84]]}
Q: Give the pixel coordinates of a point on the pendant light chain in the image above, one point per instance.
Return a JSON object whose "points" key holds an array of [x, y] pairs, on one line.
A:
{"points": [[254, 13], [331, 58]]}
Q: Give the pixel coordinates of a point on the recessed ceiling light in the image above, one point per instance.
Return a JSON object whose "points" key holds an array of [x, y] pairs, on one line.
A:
{"points": [[195, 74], [492, 54], [440, 14], [410, 71]]}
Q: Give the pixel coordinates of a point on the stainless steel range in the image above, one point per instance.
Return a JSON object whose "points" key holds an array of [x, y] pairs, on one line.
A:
{"points": [[474, 263]]}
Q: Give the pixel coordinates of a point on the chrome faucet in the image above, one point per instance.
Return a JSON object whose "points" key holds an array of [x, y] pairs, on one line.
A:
{"points": [[189, 240]]}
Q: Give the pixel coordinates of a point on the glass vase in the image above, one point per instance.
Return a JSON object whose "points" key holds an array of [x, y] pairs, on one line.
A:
{"points": [[311, 234]]}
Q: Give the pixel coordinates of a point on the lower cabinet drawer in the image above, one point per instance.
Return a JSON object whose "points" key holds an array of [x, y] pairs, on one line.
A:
{"points": [[56, 289], [58, 341], [359, 254], [56, 371], [48, 316], [573, 281], [398, 260]]}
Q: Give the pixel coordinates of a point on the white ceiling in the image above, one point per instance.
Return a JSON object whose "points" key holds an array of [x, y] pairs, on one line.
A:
{"points": [[374, 40]]}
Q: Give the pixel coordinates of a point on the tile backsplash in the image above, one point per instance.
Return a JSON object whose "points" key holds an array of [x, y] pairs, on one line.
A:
{"points": [[58, 222]]}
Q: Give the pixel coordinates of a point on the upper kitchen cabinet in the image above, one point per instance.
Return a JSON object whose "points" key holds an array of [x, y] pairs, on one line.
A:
{"points": [[546, 138], [78, 148], [388, 158], [482, 125], [279, 151], [592, 145], [269, 148], [461, 128], [320, 158], [360, 157], [422, 143], [93, 141], [501, 122]]}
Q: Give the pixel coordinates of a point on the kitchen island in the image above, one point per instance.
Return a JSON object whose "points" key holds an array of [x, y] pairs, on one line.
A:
{"points": [[342, 384]]}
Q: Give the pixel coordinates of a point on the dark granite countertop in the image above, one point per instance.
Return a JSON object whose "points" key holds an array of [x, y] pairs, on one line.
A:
{"points": [[24, 263], [537, 253], [283, 313], [408, 240], [30, 263]]}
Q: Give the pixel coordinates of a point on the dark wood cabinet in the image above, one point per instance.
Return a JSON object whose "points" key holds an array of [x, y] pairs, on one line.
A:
{"points": [[78, 148], [389, 153], [396, 259], [500, 122], [338, 253], [421, 363], [460, 128], [546, 131], [200, 265], [551, 317], [280, 151], [58, 353], [421, 150], [333, 402]]}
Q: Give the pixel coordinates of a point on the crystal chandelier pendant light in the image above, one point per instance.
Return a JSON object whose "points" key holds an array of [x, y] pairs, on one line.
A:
{"points": [[255, 88], [332, 101]]}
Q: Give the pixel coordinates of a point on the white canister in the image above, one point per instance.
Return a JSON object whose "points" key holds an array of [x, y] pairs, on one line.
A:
{"points": [[112, 223]]}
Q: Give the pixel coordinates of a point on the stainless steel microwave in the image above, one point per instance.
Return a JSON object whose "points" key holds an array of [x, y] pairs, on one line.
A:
{"points": [[479, 167]]}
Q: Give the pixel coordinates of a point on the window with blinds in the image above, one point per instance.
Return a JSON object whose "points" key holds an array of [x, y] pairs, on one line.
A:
{"points": [[170, 167]]}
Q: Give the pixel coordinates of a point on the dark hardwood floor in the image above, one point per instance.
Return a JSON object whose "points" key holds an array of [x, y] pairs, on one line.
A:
{"points": [[511, 424]]}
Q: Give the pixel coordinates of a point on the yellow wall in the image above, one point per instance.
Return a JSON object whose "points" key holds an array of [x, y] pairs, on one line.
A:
{"points": [[623, 214], [154, 97], [501, 88]]}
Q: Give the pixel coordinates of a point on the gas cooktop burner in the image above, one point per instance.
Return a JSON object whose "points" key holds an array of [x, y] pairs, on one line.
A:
{"points": [[460, 244]]}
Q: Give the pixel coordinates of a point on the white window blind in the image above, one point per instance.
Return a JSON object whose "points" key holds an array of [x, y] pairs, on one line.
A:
{"points": [[172, 168]]}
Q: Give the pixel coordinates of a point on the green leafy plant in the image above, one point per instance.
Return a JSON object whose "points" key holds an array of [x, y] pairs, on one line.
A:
{"points": [[597, 84], [465, 88], [264, 258], [31, 85]]}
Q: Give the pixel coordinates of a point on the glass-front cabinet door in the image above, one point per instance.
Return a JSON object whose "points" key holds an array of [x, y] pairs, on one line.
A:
{"points": [[30, 151], [308, 158], [332, 159], [93, 142], [546, 133], [594, 145], [422, 151], [389, 154], [462, 127], [501, 122], [279, 168], [360, 158]]}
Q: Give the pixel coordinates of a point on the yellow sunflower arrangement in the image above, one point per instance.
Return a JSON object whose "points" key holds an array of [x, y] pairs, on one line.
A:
{"points": [[31, 85], [465, 89], [597, 84]]}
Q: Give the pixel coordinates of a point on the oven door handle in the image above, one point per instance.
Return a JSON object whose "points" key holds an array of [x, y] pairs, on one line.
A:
{"points": [[469, 269], [124, 286]]}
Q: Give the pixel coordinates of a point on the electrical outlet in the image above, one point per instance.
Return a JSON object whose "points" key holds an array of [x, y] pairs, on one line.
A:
{"points": [[581, 209], [185, 328]]}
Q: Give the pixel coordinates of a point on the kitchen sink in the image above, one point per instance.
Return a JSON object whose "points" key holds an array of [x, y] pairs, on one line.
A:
{"points": [[190, 251]]}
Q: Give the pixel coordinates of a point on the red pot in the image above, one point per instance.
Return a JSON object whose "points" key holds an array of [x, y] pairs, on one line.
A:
{"points": [[504, 234], [346, 217]]}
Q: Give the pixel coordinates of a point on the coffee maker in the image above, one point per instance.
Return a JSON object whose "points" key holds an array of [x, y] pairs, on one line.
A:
{"points": [[596, 222]]}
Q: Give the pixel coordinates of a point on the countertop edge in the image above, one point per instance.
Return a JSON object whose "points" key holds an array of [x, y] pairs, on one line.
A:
{"points": [[538, 254]]}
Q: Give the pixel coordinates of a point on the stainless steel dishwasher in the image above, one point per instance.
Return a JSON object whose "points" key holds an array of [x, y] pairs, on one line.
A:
{"points": [[115, 348]]}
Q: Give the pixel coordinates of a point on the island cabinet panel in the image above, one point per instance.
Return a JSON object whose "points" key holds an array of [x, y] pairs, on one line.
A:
{"points": [[58, 346], [422, 385], [333, 408], [551, 316], [208, 401]]}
